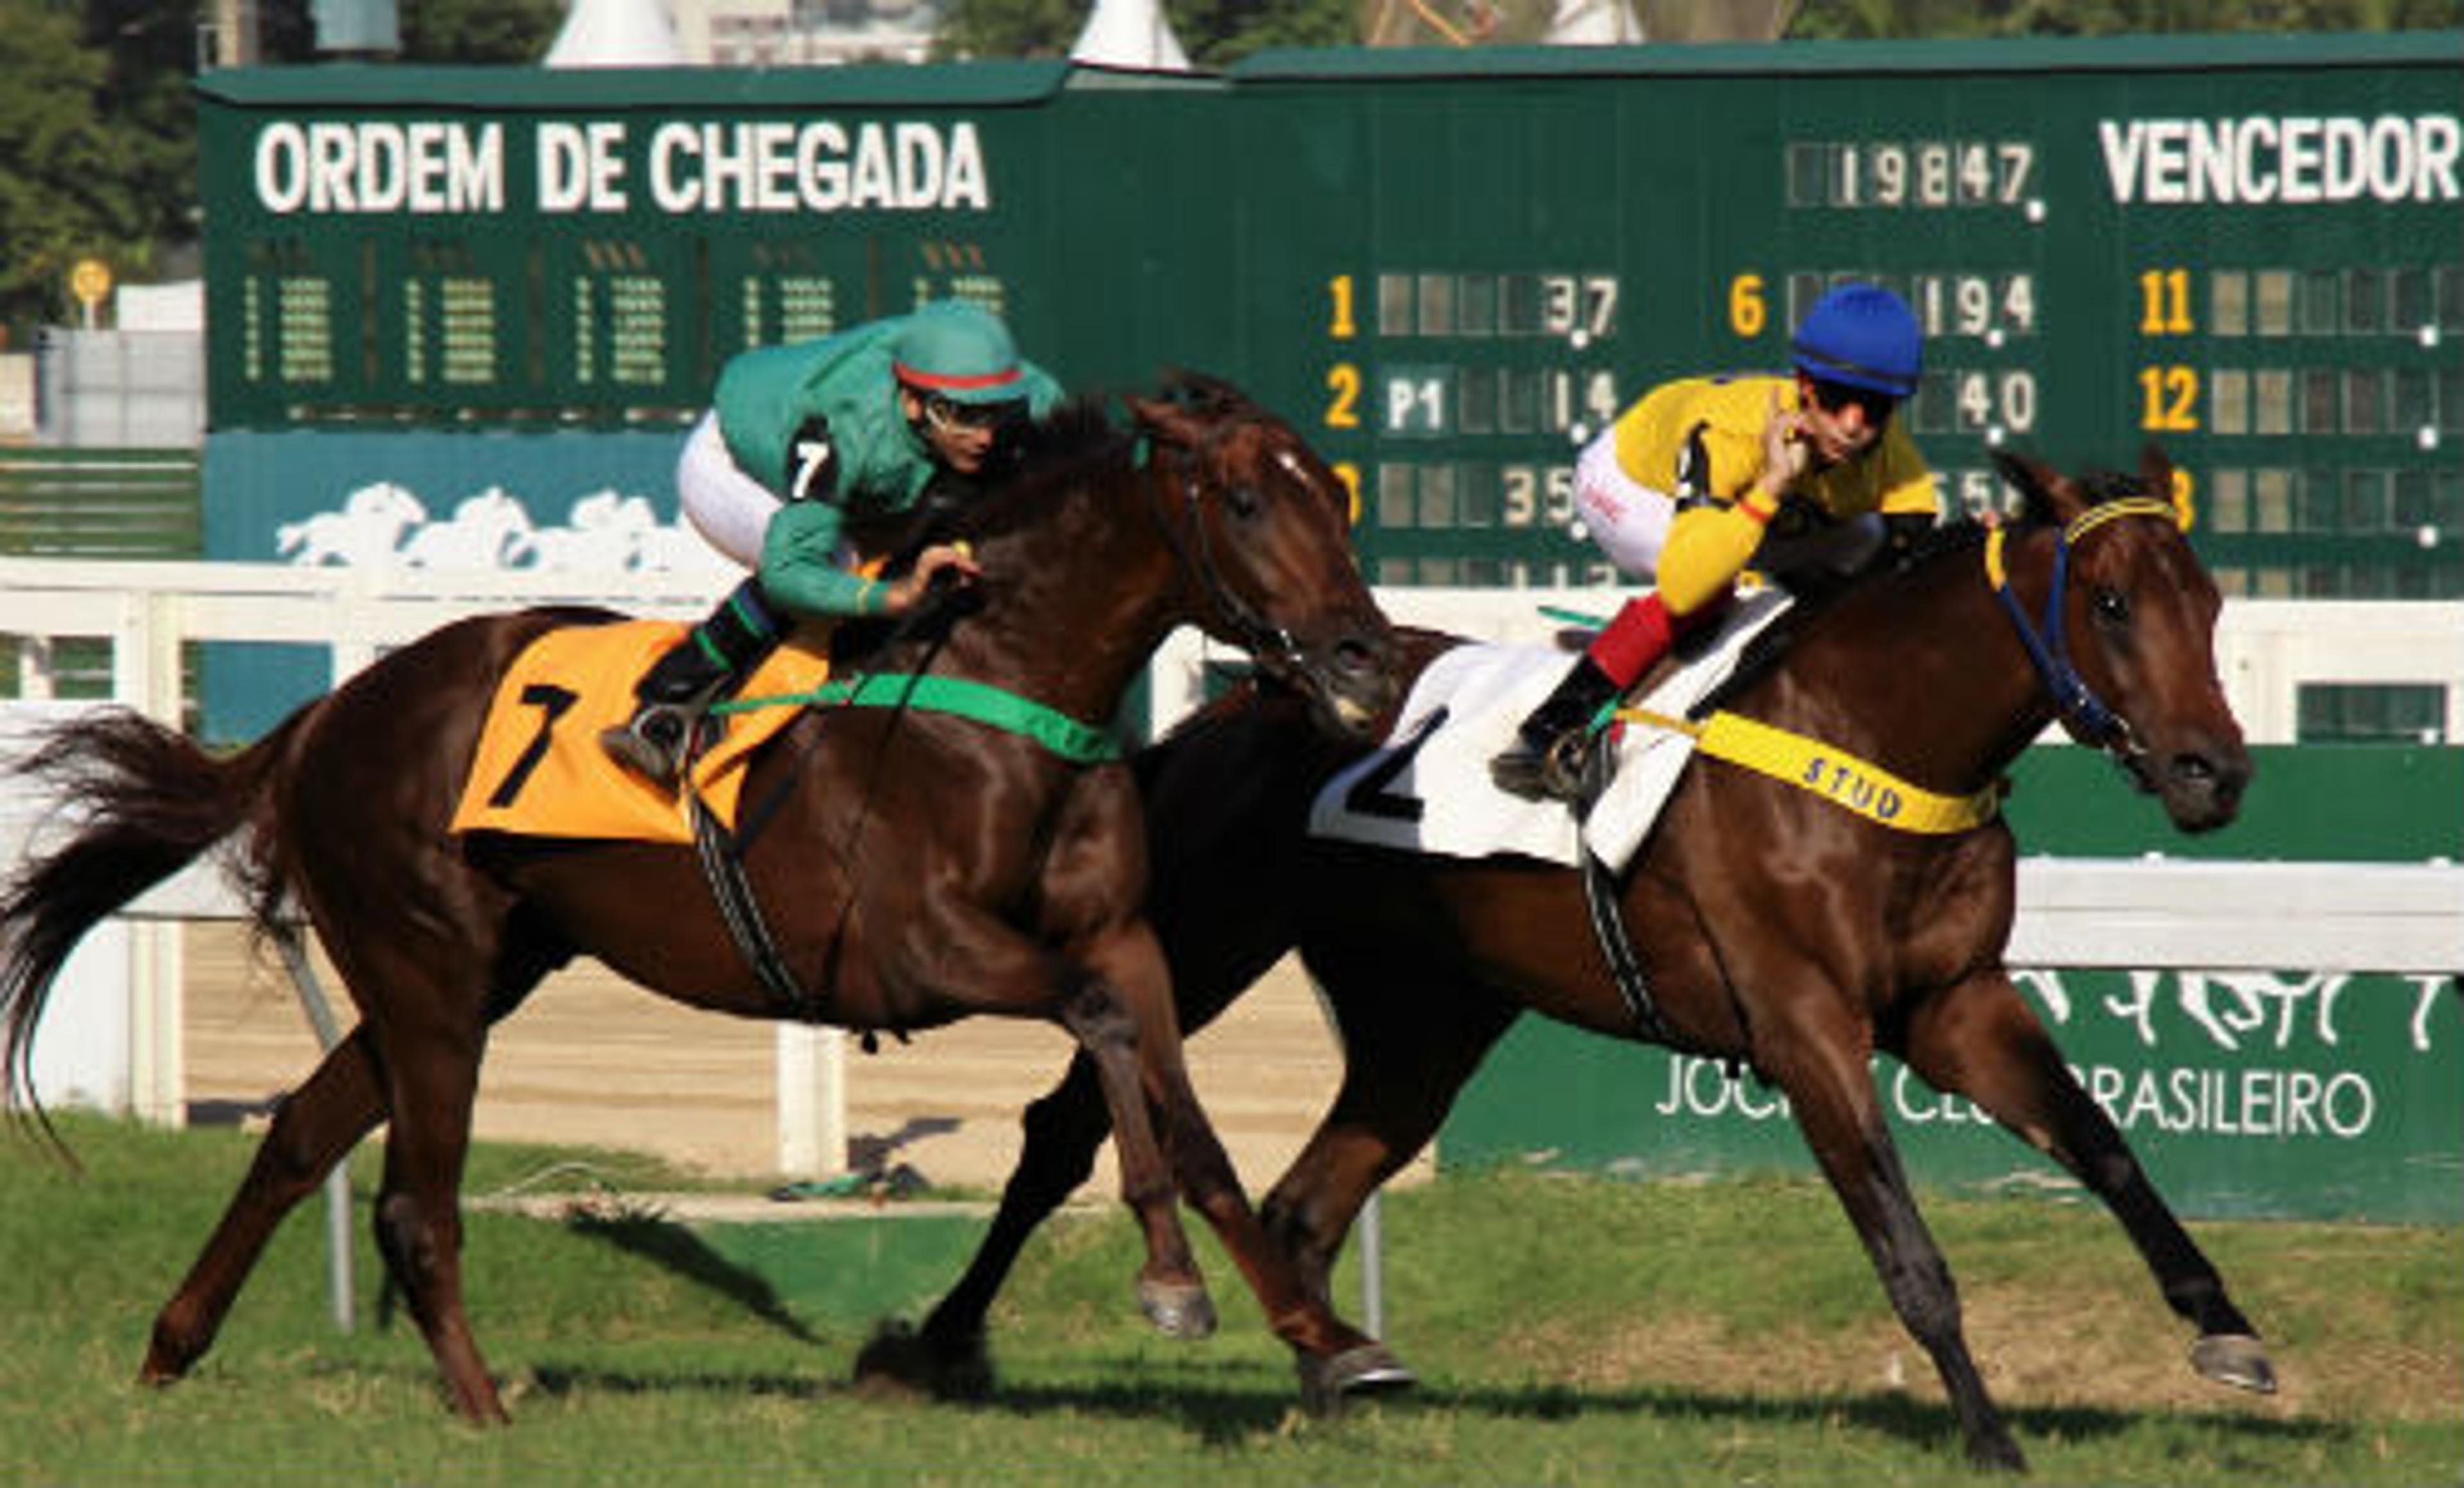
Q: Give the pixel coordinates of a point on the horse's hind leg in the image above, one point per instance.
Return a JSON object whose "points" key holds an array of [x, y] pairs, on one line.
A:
{"points": [[429, 997], [434, 1075], [1412, 1035], [314, 1128], [947, 1355], [1982, 1041]]}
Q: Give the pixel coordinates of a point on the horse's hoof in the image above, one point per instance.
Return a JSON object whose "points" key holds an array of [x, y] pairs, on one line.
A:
{"points": [[164, 1366], [2236, 1358], [1333, 1381], [900, 1361], [1996, 1453], [1178, 1310]]}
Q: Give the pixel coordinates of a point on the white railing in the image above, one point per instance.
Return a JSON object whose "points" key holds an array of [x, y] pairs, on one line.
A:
{"points": [[2407, 919], [2266, 649]]}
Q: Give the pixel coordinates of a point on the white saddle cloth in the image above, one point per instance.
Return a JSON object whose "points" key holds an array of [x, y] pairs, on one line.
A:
{"points": [[1427, 789]]}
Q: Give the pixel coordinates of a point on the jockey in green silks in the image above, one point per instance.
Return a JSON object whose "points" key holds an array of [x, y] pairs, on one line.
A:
{"points": [[799, 439]]}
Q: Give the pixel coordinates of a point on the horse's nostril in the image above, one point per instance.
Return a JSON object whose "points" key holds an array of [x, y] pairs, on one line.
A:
{"points": [[2194, 769], [1354, 656]]}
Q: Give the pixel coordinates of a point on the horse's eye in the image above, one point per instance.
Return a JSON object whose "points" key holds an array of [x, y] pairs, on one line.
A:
{"points": [[1244, 502], [2109, 605]]}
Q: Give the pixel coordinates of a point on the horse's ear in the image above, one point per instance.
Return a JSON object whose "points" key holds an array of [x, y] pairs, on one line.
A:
{"points": [[2156, 471], [1204, 393], [2048, 493], [1165, 420]]}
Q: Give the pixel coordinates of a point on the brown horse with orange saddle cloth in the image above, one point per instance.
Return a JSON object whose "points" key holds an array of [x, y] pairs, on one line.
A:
{"points": [[917, 864]]}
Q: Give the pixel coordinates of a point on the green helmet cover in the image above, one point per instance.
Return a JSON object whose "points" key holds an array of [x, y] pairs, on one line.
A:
{"points": [[961, 351]]}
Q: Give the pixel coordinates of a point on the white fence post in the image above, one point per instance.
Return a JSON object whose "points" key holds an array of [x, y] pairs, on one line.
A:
{"points": [[812, 1101], [145, 676]]}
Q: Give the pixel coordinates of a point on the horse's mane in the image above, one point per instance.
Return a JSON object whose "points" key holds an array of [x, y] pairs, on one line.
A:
{"points": [[1958, 538]]}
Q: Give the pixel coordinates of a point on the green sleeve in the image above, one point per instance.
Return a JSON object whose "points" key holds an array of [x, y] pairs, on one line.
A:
{"points": [[800, 570]]}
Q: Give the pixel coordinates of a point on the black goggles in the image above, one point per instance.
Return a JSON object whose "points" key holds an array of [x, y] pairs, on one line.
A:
{"points": [[1877, 407], [948, 413]]}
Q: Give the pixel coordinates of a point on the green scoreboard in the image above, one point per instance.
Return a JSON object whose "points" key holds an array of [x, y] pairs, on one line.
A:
{"points": [[1450, 267]]}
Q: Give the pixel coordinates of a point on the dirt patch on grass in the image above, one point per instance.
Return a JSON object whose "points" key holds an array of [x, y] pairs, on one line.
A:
{"points": [[2035, 1350]]}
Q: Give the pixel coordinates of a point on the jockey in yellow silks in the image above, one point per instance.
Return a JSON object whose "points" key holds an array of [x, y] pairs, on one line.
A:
{"points": [[1707, 477]]}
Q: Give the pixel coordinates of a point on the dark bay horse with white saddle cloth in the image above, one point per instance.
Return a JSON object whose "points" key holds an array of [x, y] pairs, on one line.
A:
{"points": [[918, 863], [1829, 879]]}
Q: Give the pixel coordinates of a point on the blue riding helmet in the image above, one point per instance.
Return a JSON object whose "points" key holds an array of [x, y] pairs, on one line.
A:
{"points": [[1862, 335], [959, 351]]}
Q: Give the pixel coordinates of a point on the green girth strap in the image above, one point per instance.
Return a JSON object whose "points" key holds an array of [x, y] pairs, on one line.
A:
{"points": [[1061, 734]]}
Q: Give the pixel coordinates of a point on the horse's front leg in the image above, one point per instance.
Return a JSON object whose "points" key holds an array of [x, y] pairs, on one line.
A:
{"points": [[1335, 1357], [1115, 1024], [1815, 1048], [979, 962], [1981, 1040]]}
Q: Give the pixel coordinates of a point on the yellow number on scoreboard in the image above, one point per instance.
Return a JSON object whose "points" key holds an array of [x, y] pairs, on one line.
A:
{"points": [[1748, 312], [1343, 410], [1339, 322], [2169, 398], [2164, 302]]}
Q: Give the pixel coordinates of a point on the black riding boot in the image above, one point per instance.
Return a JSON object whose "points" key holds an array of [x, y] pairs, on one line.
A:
{"points": [[713, 658], [1551, 745]]}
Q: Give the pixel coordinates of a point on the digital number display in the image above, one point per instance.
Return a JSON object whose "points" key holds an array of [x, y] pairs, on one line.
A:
{"points": [[1451, 275]]}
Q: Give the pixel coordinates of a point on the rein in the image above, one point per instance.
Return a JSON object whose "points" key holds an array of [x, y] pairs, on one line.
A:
{"points": [[1252, 631], [2048, 646], [1075, 742]]}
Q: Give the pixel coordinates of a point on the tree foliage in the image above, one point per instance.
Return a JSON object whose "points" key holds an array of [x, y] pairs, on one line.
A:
{"points": [[1216, 33], [1220, 32], [1881, 18], [74, 178], [478, 30], [98, 123]]}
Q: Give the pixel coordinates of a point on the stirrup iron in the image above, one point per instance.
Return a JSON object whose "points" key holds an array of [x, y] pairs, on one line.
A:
{"points": [[654, 742]]}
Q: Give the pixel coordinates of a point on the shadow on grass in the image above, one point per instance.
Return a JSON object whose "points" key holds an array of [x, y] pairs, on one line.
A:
{"points": [[1221, 1416], [680, 1251], [1886, 1413], [557, 1380], [1236, 1410]]}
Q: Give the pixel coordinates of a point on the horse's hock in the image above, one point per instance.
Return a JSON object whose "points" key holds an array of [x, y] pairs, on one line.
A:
{"points": [[588, 1060]]}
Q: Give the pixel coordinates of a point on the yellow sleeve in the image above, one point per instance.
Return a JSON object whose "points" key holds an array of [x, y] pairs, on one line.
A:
{"points": [[1907, 485], [1708, 546], [1637, 435]]}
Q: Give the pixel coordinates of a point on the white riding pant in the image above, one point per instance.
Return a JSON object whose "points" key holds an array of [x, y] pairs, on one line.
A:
{"points": [[1626, 519], [730, 509]]}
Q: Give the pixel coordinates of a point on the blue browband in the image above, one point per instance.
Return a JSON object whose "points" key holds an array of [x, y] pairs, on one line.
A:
{"points": [[2048, 644]]}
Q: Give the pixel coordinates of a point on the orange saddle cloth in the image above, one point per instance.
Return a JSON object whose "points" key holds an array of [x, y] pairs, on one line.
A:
{"points": [[539, 770]]}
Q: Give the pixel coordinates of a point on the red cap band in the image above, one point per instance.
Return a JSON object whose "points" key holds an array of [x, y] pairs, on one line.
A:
{"points": [[938, 383]]}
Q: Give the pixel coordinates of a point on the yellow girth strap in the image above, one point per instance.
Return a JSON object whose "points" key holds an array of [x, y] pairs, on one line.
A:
{"points": [[1840, 778]]}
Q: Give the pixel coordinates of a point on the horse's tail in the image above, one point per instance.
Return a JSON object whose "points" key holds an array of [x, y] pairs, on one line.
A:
{"points": [[146, 803]]}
